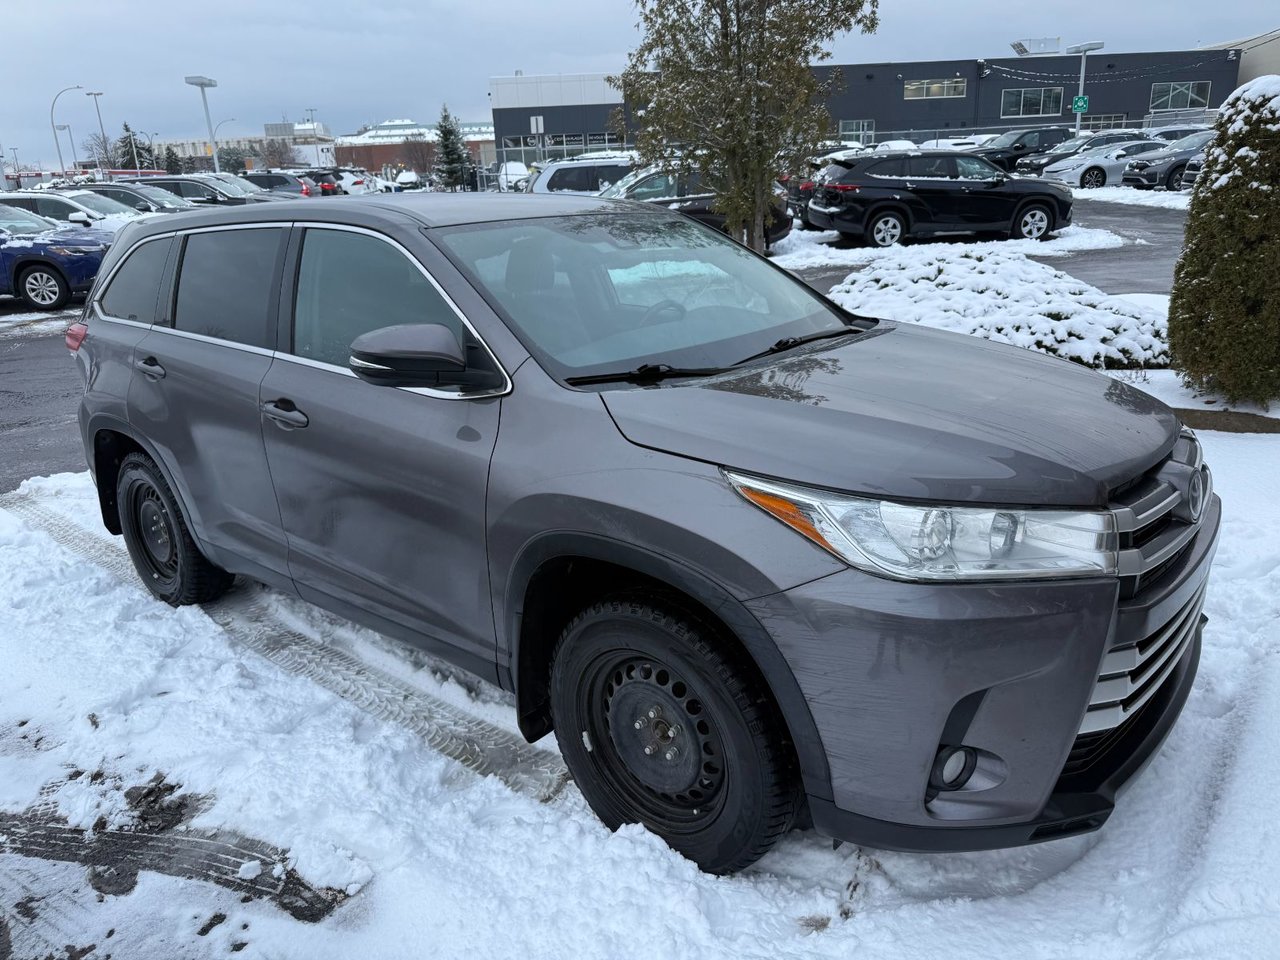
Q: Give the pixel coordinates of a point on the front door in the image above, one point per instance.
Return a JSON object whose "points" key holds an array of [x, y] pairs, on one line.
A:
{"points": [[986, 201], [381, 490]]}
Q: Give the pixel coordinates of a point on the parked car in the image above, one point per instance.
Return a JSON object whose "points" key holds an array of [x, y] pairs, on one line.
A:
{"points": [[586, 174], [78, 206], [884, 199], [1033, 165], [800, 188], [949, 143], [1192, 171], [353, 181], [1008, 148], [237, 184], [1097, 168], [43, 261], [508, 174], [1165, 167], [283, 183], [329, 184], [1175, 132], [754, 560], [886, 145], [688, 195], [140, 196], [202, 191]]}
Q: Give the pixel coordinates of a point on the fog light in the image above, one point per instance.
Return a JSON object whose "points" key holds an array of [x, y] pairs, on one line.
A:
{"points": [[952, 768]]}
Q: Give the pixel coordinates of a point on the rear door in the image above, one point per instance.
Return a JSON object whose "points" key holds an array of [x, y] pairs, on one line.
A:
{"points": [[933, 181], [381, 490], [194, 392]]}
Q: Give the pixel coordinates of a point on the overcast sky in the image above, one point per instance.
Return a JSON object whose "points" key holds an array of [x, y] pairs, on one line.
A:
{"points": [[361, 61]]}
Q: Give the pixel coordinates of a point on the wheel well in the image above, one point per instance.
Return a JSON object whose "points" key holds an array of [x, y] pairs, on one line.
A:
{"points": [[110, 447], [897, 208], [22, 266]]}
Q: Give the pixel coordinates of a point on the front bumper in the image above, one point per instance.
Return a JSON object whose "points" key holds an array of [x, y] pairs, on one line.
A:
{"points": [[892, 671], [1148, 177]]}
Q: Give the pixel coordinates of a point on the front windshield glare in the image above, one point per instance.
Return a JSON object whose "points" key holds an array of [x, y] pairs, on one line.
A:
{"points": [[1192, 141], [617, 190], [1066, 146], [598, 293], [103, 205], [1005, 139]]}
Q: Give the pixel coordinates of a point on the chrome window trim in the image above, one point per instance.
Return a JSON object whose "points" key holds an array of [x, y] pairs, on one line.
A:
{"points": [[500, 391], [96, 302], [203, 338]]}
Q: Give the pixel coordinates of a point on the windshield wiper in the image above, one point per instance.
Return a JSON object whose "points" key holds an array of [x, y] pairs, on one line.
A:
{"points": [[645, 373], [788, 343]]}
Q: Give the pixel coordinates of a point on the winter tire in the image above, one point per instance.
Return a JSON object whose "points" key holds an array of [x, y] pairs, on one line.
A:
{"points": [[1093, 178], [1033, 223], [166, 558], [663, 723], [886, 229], [1174, 180], [43, 288]]}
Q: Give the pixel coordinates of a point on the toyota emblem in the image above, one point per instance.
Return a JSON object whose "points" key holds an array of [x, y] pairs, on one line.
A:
{"points": [[1195, 496]]}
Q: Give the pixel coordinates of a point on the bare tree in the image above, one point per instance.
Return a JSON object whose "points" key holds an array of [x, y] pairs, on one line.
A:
{"points": [[279, 153], [105, 152], [418, 154]]}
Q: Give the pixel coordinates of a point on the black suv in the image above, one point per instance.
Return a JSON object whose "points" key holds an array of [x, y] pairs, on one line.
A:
{"points": [[884, 198], [1008, 148], [140, 196], [1035, 163], [687, 194]]}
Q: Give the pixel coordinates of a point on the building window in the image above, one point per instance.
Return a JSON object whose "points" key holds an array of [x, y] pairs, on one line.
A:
{"points": [[1104, 121], [857, 131], [1191, 95], [1031, 102], [933, 89]]}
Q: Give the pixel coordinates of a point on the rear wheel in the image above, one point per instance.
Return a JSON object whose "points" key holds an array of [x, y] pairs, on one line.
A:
{"points": [[1174, 180], [1033, 223], [166, 558], [43, 288], [1093, 178], [886, 229], [662, 723]]}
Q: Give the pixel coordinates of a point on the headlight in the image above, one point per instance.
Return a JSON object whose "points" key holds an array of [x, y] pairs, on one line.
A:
{"points": [[1159, 163], [75, 251], [936, 542]]}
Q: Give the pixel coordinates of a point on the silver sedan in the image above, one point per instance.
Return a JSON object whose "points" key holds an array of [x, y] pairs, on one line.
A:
{"points": [[1097, 168]]}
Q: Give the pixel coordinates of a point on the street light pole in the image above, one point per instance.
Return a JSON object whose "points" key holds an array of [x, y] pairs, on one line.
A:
{"points": [[1083, 49], [151, 145], [215, 138], [315, 135], [102, 130], [204, 83], [61, 164], [75, 164], [17, 171]]}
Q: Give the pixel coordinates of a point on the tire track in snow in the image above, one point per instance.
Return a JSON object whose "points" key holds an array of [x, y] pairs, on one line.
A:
{"points": [[477, 744]]}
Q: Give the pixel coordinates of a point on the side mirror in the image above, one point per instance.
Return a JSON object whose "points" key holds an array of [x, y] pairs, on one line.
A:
{"points": [[409, 355], [1121, 154], [1019, 146], [81, 218], [143, 206]]}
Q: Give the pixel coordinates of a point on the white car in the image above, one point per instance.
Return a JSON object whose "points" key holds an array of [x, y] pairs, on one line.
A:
{"points": [[894, 145], [355, 181], [75, 206], [1097, 168], [950, 143], [588, 173]]}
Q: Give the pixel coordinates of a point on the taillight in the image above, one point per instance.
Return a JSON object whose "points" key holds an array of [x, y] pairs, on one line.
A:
{"points": [[75, 335], [358, 183], [806, 185], [306, 190], [844, 187]]}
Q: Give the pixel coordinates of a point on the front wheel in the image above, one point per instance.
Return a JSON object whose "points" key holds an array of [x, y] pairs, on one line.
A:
{"points": [[1174, 180], [663, 723], [1093, 178], [43, 288], [1032, 224]]}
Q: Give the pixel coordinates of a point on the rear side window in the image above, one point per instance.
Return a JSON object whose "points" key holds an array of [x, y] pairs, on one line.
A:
{"points": [[931, 167], [225, 286], [609, 174], [351, 283], [135, 288], [576, 177]]}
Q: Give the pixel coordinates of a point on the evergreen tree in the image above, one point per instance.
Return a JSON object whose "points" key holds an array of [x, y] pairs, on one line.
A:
{"points": [[726, 87], [129, 146], [172, 162], [453, 161], [1224, 315]]}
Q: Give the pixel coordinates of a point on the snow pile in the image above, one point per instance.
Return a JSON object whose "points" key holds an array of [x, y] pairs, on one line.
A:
{"points": [[803, 249], [26, 324], [1175, 200], [1006, 297]]}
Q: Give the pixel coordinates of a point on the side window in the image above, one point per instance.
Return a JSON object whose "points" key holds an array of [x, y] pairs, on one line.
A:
{"points": [[51, 207], [1030, 141], [932, 168], [351, 283], [575, 177], [660, 186], [135, 287], [895, 167], [225, 287], [1143, 148], [607, 175], [22, 203], [974, 168]]}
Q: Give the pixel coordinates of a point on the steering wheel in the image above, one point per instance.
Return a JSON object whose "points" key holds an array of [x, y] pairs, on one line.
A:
{"points": [[662, 306]]}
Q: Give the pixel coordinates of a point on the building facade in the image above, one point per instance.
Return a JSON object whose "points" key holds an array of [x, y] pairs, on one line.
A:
{"points": [[546, 117], [406, 145]]}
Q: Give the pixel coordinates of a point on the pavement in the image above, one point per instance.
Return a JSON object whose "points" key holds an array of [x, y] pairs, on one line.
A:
{"points": [[40, 387]]}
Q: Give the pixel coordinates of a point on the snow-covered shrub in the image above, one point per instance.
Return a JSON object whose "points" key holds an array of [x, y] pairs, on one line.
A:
{"points": [[1008, 298], [1224, 315]]}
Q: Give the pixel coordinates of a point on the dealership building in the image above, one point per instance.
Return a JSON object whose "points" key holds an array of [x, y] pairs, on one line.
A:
{"points": [[543, 117]]}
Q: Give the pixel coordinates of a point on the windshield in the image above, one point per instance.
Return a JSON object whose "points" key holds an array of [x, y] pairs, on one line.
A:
{"points": [[14, 220], [99, 204], [248, 186], [618, 190], [161, 197], [1192, 141], [230, 185], [598, 293], [1075, 143], [1005, 139]]}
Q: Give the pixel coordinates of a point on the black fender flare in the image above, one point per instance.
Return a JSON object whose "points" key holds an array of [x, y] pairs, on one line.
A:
{"points": [[777, 673]]}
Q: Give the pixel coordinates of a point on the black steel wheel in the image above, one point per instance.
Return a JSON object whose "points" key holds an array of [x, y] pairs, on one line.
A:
{"points": [[663, 723], [167, 560]]}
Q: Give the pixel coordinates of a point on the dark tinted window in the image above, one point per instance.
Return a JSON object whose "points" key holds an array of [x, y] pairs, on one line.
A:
{"points": [[351, 283], [225, 287], [576, 177], [1030, 140], [930, 166], [22, 203], [894, 167], [608, 174], [135, 287], [55, 208], [832, 171]]}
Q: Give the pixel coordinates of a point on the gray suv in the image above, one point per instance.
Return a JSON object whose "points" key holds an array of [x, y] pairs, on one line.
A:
{"points": [[759, 563]]}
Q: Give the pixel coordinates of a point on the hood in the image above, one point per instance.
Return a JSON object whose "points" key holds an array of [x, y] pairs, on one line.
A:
{"points": [[76, 236], [911, 413]]}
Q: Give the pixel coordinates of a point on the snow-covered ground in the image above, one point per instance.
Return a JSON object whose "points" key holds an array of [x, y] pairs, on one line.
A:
{"points": [[420, 856], [1177, 200], [17, 321]]}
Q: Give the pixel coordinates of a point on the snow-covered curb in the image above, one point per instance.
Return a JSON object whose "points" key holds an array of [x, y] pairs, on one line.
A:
{"points": [[993, 292], [1178, 200], [802, 249]]}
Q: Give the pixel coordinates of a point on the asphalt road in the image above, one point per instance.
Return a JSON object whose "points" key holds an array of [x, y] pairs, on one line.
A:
{"points": [[40, 388]]}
